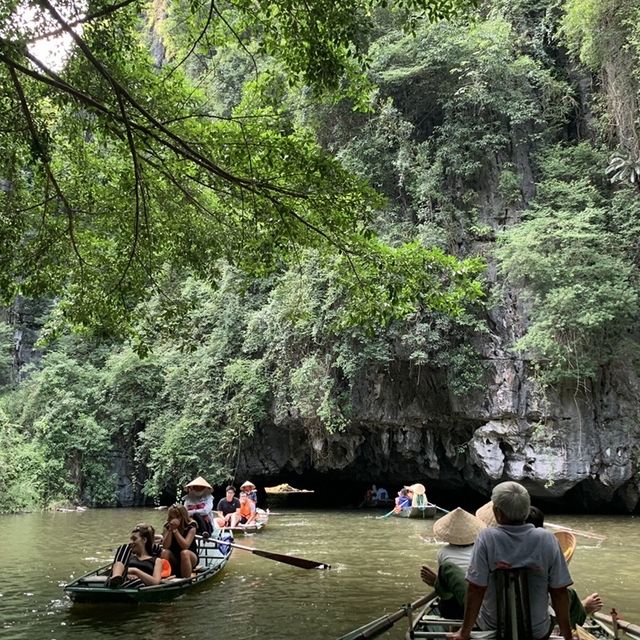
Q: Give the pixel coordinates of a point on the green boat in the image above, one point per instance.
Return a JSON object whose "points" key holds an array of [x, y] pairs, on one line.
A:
{"points": [[92, 587]]}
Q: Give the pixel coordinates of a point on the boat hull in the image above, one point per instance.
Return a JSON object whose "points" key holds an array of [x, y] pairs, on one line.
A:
{"points": [[92, 587], [416, 512]]}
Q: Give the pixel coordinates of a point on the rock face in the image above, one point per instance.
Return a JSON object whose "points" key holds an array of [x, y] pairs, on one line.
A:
{"points": [[575, 449]]}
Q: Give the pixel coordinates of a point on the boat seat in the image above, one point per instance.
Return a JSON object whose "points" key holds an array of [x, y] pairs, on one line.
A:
{"points": [[514, 611], [94, 579]]}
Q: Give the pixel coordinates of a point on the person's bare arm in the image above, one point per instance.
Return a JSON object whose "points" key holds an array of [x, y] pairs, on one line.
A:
{"points": [[560, 604], [167, 536], [475, 596], [185, 541]]}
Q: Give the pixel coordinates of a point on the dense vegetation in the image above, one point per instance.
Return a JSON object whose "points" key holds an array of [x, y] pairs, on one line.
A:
{"points": [[466, 141]]}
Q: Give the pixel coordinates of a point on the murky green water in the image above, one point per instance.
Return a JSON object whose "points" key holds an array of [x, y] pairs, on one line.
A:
{"points": [[374, 571]]}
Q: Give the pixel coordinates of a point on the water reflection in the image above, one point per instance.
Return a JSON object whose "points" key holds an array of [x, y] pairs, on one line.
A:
{"points": [[374, 571]]}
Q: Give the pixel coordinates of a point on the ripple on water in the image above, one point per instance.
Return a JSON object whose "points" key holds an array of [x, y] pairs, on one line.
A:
{"points": [[375, 565]]}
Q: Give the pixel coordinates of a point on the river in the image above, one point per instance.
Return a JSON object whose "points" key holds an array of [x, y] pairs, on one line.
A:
{"points": [[374, 562]]}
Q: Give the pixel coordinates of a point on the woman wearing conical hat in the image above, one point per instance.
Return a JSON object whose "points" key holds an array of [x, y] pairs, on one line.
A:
{"points": [[250, 489], [459, 530], [199, 504]]}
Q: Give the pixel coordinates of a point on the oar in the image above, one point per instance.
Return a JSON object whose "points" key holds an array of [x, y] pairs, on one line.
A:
{"points": [[386, 515], [278, 557], [578, 532], [384, 623], [431, 504]]}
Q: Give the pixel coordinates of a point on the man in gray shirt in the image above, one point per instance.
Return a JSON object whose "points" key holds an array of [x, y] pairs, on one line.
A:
{"points": [[515, 544]]}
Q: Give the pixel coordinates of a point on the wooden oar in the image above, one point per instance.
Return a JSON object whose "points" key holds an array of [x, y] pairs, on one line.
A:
{"points": [[278, 557], [386, 515], [384, 623], [577, 532], [431, 504]]}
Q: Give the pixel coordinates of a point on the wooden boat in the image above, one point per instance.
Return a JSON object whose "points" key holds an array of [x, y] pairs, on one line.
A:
{"points": [[428, 511], [92, 587], [603, 625], [430, 624], [285, 489], [257, 525]]}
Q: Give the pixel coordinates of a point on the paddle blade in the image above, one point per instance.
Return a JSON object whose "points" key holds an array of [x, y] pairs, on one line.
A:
{"points": [[292, 560]]}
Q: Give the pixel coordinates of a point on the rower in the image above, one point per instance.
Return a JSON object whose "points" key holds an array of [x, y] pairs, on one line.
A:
{"points": [[250, 489]]}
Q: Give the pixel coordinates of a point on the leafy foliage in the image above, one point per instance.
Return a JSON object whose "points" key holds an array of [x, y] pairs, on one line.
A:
{"points": [[115, 168], [568, 257]]}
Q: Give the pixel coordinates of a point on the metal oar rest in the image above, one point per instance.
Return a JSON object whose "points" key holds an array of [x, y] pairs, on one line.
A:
{"points": [[513, 609]]}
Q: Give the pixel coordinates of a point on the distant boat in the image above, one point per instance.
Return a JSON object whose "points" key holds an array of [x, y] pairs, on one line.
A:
{"points": [[428, 511], [285, 489], [92, 587], [257, 525]]}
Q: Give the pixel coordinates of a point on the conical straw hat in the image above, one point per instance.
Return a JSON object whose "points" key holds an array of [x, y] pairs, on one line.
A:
{"points": [[458, 527], [247, 483], [567, 543], [199, 482], [417, 488], [485, 513]]}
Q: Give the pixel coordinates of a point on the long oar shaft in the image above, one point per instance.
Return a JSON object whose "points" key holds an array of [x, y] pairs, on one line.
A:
{"points": [[294, 561], [578, 532], [431, 504], [386, 515], [384, 623]]}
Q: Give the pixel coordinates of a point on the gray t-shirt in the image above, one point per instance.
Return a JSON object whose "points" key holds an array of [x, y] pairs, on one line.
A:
{"points": [[518, 546]]}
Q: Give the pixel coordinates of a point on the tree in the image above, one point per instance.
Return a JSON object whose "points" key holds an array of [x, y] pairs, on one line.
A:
{"points": [[115, 167]]}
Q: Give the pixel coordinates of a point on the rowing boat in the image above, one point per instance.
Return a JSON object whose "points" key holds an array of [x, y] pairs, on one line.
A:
{"points": [[92, 587], [428, 511], [430, 624], [261, 521]]}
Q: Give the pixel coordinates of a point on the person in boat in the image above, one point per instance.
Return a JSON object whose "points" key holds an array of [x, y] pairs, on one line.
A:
{"points": [[459, 529], [250, 489], [514, 543], [226, 508], [403, 501], [136, 564], [578, 609], [380, 495], [179, 545], [370, 495], [246, 512], [199, 504]]}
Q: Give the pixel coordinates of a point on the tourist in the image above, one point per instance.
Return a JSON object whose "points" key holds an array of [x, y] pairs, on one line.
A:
{"points": [[381, 495], [513, 543], [199, 504], [370, 496], [226, 508], [246, 512], [179, 545], [135, 564], [459, 530], [403, 501]]}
